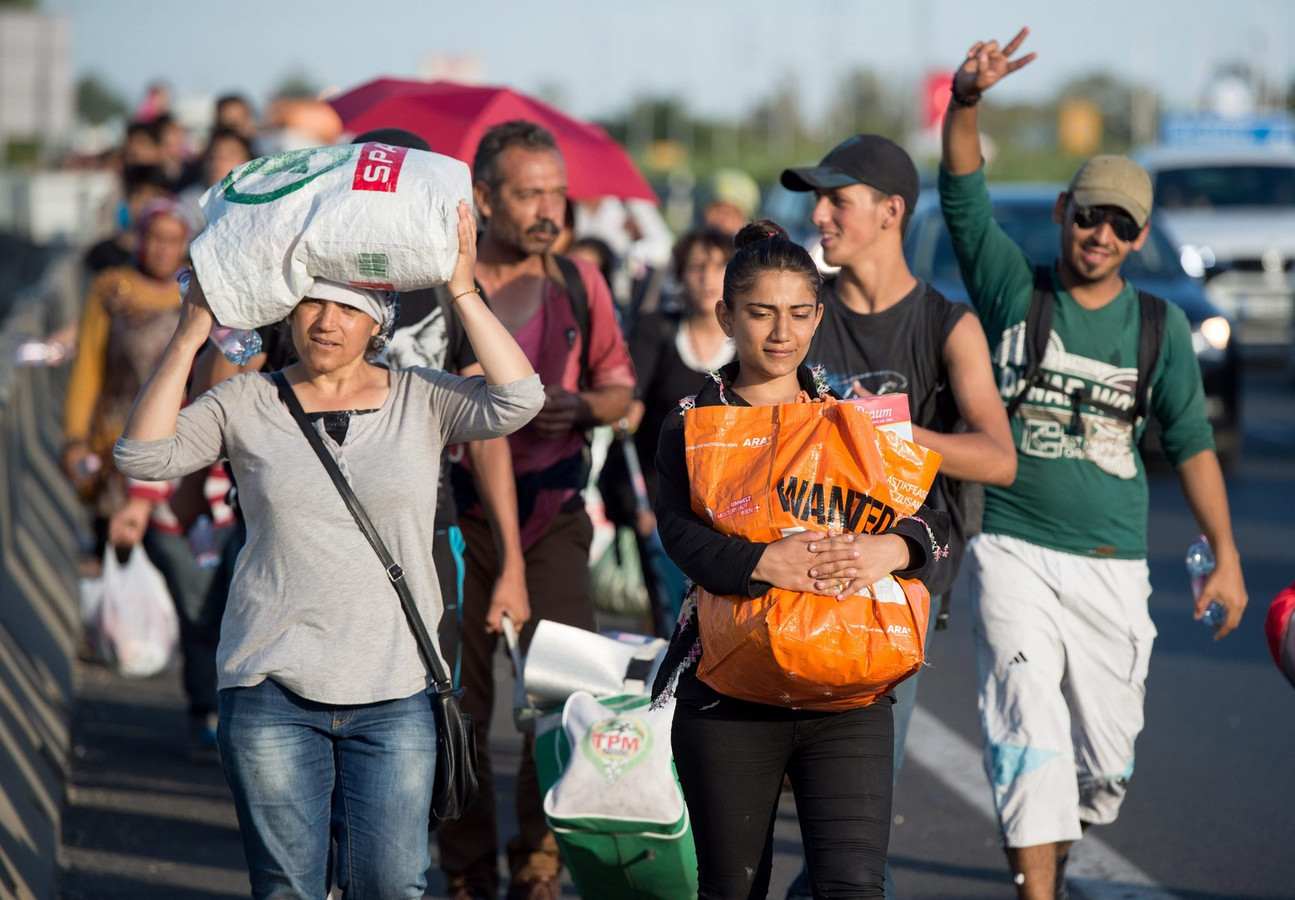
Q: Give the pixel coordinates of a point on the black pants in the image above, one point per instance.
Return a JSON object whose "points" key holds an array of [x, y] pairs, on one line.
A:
{"points": [[731, 757]]}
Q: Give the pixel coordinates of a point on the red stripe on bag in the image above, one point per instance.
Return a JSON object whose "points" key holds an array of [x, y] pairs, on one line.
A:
{"points": [[378, 167]]}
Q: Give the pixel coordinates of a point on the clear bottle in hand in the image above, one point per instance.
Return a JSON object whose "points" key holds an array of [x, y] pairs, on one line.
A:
{"points": [[238, 344], [1200, 563]]}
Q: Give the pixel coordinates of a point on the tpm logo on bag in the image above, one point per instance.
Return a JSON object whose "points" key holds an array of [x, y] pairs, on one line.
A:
{"points": [[617, 745], [271, 177]]}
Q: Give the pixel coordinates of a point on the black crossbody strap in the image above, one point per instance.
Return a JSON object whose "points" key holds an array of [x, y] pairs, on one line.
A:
{"points": [[394, 572]]}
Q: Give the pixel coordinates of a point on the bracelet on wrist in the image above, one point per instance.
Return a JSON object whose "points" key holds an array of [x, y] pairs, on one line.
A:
{"points": [[474, 290], [962, 100]]}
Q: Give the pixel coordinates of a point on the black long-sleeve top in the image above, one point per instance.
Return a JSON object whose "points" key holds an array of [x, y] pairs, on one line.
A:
{"points": [[725, 564]]}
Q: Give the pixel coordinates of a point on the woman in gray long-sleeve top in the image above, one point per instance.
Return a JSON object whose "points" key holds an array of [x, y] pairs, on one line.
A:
{"points": [[324, 718]]}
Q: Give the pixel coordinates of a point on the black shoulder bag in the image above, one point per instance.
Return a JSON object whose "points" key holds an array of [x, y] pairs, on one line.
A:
{"points": [[456, 741]]}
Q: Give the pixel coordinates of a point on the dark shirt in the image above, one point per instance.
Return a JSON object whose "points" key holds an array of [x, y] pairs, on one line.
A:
{"points": [[664, 380], [900, 350], [429, 334]]}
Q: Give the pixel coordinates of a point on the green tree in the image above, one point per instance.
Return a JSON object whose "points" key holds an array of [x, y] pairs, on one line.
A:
{"points": [[96, 103]]}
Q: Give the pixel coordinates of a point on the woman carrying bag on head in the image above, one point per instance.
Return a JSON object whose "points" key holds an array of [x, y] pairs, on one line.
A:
{"points": [[732, 754], [326, 721]]}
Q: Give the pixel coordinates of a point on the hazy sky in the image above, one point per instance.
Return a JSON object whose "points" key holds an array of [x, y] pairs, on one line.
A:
{"points": [[720, 57]]}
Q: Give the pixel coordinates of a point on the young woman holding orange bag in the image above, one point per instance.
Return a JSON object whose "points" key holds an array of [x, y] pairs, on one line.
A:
{"points": [[732, 755]]}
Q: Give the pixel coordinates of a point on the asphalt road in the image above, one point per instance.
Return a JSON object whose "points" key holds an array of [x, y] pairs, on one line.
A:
{"points": [[1209, 812], [1208, 815]]}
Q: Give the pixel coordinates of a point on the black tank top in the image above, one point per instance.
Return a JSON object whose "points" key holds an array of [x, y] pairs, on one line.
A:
{"points": [[901, 350]]}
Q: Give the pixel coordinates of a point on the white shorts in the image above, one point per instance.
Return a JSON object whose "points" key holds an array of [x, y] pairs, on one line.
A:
{"points": [[1063, 643]]}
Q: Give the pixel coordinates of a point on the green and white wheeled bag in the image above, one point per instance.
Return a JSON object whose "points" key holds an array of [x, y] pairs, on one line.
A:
{"points": [[612, 798]]}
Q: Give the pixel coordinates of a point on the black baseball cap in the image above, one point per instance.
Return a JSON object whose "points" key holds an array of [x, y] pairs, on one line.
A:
{"points": [[863, 159]]}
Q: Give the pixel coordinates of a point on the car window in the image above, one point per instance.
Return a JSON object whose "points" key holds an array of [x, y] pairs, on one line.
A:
{"points": [[1209, 186], [1031, 227]]}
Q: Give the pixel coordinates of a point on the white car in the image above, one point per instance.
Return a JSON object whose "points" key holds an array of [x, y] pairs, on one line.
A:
{"points": [[1232, 214]]}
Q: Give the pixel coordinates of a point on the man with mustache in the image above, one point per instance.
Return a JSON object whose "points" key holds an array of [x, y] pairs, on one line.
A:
{"points": [[520, 187], [1059, 572]]}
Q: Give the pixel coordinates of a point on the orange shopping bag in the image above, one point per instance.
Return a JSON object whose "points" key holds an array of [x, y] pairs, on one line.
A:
{"points": [[765, 472]]}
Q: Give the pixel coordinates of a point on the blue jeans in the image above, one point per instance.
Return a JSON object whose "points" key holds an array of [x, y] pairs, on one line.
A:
{"points": [[302, 772]]}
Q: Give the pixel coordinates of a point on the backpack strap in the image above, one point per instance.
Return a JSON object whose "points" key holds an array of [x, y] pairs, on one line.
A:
{"points": [[1151, 332], [568, 276], [1038, 325], [1151, 336]]}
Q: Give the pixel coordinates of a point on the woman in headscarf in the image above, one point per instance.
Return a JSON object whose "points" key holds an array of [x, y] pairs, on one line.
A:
{"points": [[129, 314], [327, 730]]}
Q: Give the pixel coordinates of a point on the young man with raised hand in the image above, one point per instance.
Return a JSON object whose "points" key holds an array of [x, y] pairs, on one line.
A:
{"points": [[1059, 574]]}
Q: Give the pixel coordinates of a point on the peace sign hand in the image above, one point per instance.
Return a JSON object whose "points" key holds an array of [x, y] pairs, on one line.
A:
{"points": [[986, 64]]}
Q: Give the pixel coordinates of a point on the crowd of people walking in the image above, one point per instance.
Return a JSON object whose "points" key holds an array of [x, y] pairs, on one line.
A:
{"points": [[460, 417]]}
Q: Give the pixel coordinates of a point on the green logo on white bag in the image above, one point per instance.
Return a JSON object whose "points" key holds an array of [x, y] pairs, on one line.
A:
{"points": [[617, 744], [271, 177], [372, 265]]}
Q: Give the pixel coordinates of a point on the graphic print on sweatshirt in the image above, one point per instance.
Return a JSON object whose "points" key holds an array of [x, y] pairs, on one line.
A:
{"points": [[1048, 414]]}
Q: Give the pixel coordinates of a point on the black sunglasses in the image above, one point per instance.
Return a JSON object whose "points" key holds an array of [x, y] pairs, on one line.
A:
{"points": [[1121, 222]]}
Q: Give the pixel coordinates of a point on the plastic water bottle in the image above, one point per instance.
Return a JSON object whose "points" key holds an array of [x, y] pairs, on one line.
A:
{"points": [[238, 344], [202, 542], [1200, 563]]}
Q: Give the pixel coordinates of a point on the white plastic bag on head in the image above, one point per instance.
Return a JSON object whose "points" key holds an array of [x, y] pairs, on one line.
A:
{"points": [[138, 629], [371, 215]]}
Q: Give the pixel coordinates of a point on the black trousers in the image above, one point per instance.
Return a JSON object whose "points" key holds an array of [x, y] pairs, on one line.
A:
{"points": [[731, 757]]}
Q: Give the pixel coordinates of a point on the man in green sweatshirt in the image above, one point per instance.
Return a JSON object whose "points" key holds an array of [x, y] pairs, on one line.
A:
{"points": [[1059, 574]]}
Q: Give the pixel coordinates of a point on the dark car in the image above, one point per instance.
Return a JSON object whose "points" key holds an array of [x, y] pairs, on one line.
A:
{"points": [[1025, 214]]}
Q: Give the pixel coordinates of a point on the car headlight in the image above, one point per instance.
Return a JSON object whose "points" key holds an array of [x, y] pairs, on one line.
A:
{"points": [[1196, 260], [1210, 338]]}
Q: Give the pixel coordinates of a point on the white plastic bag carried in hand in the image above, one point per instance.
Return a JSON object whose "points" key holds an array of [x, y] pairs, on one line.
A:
{"points": [[370, 215], [138, 629]]}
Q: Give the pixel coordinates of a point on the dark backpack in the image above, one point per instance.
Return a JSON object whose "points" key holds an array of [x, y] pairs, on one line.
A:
{"points": [[1038, 326], [568, 276], [964, 501]]}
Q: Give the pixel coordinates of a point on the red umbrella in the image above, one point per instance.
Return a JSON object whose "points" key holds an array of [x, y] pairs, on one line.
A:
{"points": [[452, 117]]}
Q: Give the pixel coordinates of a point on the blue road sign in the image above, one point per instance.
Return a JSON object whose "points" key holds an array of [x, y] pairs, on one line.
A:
{"points": [[1206, 130]]}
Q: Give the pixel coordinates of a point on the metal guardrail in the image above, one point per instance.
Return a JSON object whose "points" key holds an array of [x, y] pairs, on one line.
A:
{"points": [[39, 588]]}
